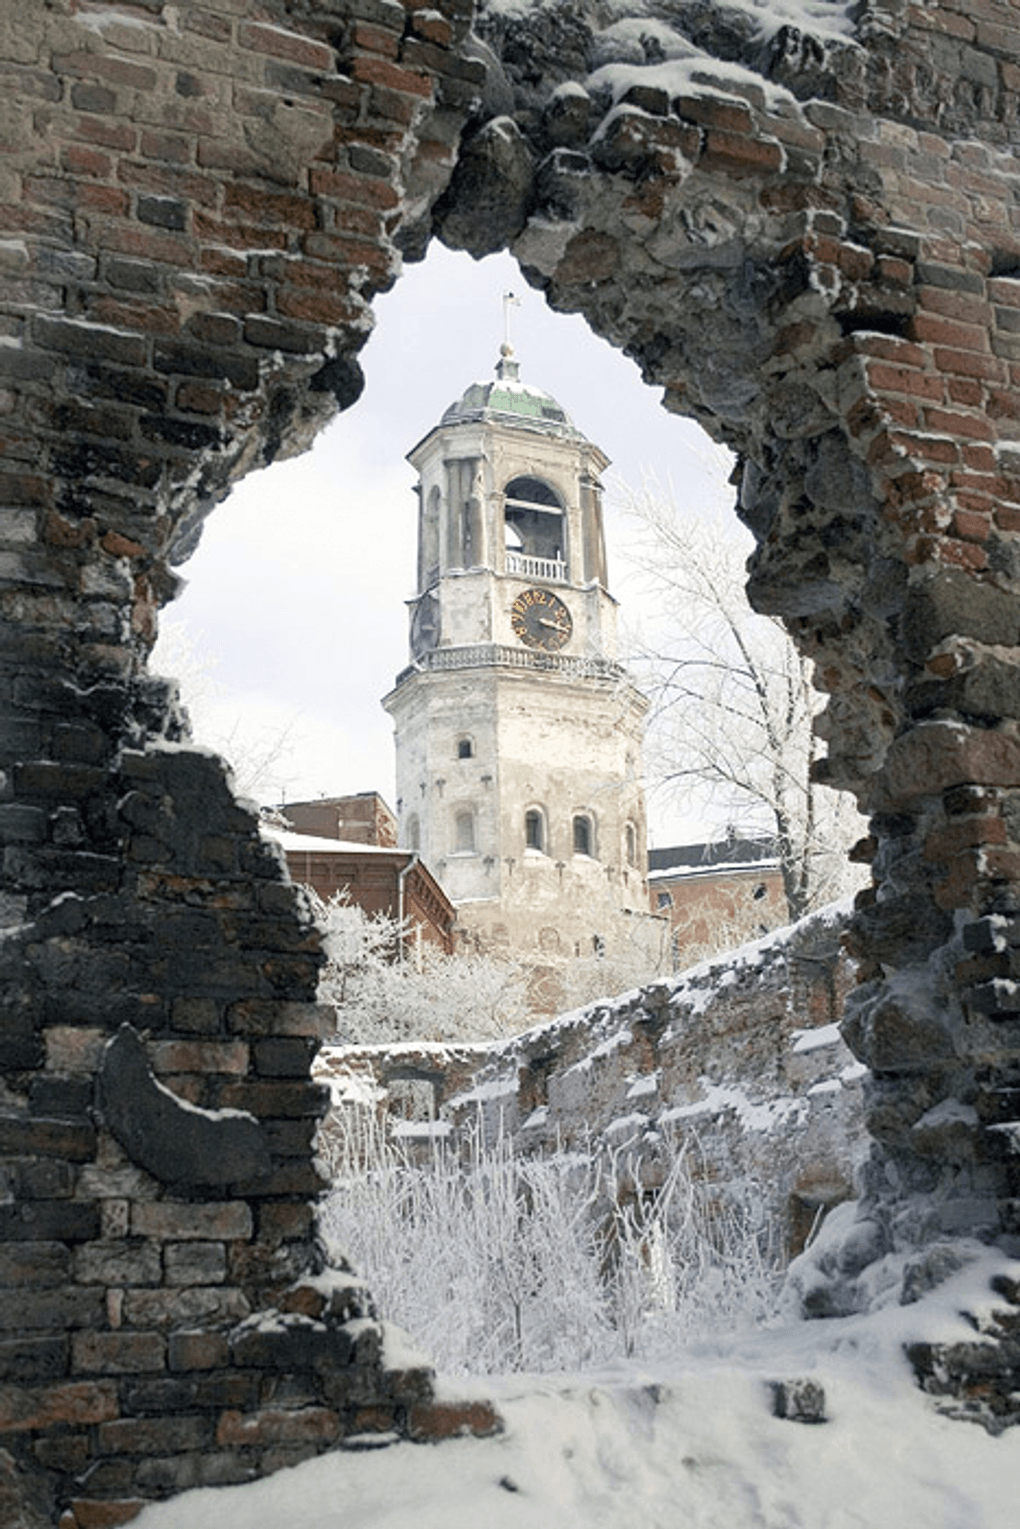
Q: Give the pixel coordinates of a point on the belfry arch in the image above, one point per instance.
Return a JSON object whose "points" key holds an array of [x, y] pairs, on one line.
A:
{"points": [[810, 243]]}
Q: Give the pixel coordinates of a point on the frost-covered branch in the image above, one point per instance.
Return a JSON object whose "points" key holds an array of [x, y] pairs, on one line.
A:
{"points": [[732, 727]]}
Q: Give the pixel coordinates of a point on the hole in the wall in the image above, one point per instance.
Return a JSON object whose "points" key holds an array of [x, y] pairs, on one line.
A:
{"points": [[1005, 264], [294, 609], [876, 322]]}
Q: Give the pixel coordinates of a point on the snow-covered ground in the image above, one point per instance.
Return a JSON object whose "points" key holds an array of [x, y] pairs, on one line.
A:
{"points": [[690, 1444]]}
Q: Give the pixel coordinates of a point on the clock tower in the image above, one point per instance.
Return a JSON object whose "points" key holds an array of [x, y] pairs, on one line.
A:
{"points": [[518, 734]]}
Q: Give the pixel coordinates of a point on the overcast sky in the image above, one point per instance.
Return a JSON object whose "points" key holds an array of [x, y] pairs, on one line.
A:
{"points": [[294, 602]]}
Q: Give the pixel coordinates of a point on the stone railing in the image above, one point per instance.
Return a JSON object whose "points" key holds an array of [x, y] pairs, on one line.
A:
{"points": [[484, 654], [551, 568]]}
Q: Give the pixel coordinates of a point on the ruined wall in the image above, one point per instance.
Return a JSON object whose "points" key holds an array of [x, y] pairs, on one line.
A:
{"points": [[811, 245], [194, 212], [808, 241], [739, 1060]]}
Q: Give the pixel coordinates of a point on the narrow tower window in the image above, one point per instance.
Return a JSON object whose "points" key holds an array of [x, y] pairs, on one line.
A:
{"points": [[465, 748], [412, 833], [534, 829], [464, 832], [630, 843], [584, 835]]}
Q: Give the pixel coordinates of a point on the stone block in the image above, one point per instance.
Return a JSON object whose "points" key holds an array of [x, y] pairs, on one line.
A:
{"points": [[107, 1513], [123, 1262], [430, 1422], [195, 1263], [33, 1359], [118, 1353], [78, 1403], [315, 1425], [198, 1350], [49, 1221], [800, 1401]]}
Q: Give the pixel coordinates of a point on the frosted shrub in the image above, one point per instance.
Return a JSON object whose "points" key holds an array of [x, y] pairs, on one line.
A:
{"points": [[496, 1262], [690, 1262]]}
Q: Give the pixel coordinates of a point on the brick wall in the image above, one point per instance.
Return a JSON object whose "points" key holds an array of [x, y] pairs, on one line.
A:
{"points": [[196, 207], [818, 258]]}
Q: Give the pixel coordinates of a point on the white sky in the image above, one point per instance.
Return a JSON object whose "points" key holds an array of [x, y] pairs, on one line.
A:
{"points": [[295, 596]]}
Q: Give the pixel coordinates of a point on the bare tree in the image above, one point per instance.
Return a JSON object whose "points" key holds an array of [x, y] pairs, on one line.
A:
{"points": [[258, 756], [732, 730]]}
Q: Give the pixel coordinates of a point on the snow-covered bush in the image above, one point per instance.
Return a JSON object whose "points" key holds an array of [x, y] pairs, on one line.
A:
{"points": [[494, 1261], [385, 985]]}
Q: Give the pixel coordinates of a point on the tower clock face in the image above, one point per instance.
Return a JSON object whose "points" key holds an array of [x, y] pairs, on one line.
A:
{"points": [[540, 619]]}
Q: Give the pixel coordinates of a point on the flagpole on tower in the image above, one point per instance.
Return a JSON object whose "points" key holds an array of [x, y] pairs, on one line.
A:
{"points": [[509, 301]]}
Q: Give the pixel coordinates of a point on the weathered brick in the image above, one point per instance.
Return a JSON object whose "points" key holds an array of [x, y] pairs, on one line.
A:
{"points": [[121, 1262], [280, 1099], [292, 46], [48, 1221], [169, 1057], [108, 1513], [33, 1359], [154, 1436], [117, 1353], [207, 1222], [49, 1310], [195, 1263], [735, 154], [38, 1264], [118, 71], [317, 1425], [77, 338], [902, 379], [77, 1403], [198, 1350], [432, 1421], [969, 364]]}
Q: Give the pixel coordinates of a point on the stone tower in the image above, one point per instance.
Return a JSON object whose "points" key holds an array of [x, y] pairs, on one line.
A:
{"points": [[518, 735]]}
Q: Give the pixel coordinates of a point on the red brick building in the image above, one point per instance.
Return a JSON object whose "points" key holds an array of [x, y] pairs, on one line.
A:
{"points": [[361, 819], [716, 895], [350, 843]]}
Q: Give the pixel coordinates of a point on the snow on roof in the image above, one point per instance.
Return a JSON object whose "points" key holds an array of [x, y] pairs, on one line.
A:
{"points": [[315, 844], [729, 854]]}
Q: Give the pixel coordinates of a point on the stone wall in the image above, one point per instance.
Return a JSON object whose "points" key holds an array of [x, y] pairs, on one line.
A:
{"points": [[809, 242], [738, 1060]]}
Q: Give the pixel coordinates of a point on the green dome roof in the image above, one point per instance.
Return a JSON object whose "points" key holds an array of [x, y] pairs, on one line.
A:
{"points": [[509, 401]]}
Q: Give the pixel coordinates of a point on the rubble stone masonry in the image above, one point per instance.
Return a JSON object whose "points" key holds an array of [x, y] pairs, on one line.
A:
{"points": [[811, 244], [737, 1062]]}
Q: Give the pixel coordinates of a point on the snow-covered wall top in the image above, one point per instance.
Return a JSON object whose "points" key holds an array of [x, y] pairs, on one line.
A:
{"points": [[740, 1056]]}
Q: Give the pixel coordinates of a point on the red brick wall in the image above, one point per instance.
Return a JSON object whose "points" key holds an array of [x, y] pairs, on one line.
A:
{"points": [[197, 206]]}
